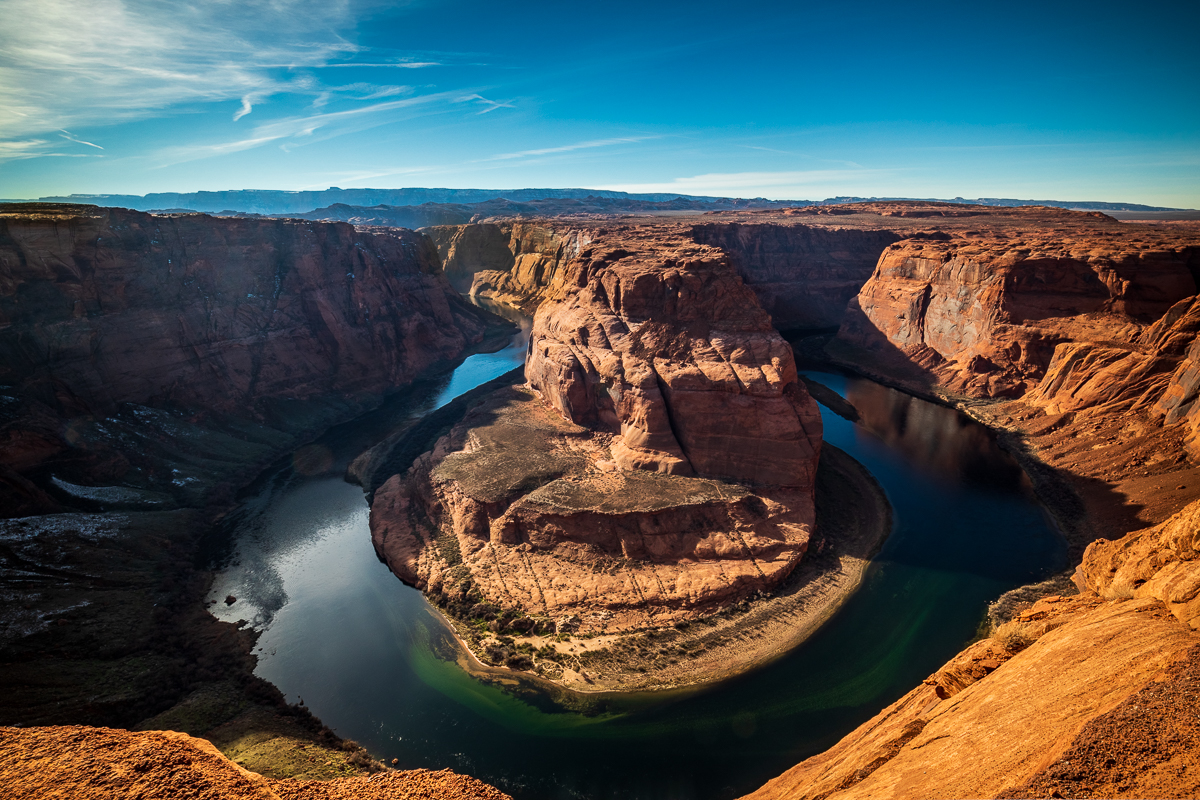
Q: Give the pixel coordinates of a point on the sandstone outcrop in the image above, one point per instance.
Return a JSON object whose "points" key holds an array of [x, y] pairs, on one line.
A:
{"points": [[508, 262], [666, 352], [659, 465], [803, 275], [71, 762], [1084, 696]]}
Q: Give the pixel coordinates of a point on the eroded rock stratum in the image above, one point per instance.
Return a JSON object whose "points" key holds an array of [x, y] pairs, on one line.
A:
{"points": [[658, 464]]}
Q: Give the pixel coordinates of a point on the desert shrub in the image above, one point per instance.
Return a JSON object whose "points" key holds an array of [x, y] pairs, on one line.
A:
{"points": [[518, 661], [1016, 636], [1118, 591]]}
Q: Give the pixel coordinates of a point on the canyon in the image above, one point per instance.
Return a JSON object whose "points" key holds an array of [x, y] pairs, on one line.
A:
{"points": [[606, 495], [152, 366]]}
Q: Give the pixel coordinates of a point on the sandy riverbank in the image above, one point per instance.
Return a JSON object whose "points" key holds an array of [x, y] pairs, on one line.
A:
{"points": [[853, 519]]}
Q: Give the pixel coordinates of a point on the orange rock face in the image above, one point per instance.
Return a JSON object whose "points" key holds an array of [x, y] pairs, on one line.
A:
{"points": [[520, 509], [1100, 704], [670, 352], [985, 313], [74, 762], [509, 262]]}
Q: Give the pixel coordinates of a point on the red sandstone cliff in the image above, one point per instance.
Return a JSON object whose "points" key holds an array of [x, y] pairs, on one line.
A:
{"points": [[509, 262], [983, 312], [668, 349], [102, 307], [120, 306]]}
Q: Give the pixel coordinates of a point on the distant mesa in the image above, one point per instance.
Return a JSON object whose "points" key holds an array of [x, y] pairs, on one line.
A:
{"points": [[277, 202]]}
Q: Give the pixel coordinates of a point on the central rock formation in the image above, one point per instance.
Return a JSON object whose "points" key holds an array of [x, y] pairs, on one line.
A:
{"points": [[675, 356], [659, 465]]}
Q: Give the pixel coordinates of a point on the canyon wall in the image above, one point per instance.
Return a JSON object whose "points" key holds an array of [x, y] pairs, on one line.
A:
{"points": [[803, 275], [120, 306], [510, 262], [985, 312], [108, 314], [1091, 695]]}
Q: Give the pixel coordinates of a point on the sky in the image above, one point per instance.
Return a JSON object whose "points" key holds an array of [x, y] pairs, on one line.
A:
{"points": [[1027, 100]]}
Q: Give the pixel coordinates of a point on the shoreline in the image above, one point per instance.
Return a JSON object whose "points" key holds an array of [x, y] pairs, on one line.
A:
{"points": [[854, 518]]}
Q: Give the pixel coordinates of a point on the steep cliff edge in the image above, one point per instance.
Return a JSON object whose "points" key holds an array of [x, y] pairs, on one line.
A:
{"points": [[150, 367], [1085, 696], [119, 306], [190, 323], [658, 467]]}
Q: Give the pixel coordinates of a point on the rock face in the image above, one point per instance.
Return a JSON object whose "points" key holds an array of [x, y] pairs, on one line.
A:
{"points": [[509, 262], [519, 509], [108, 313], [671, 352], [985, 314], [660, 464], [79, 762], [1160, 563], [803, 275], [1100, 704], [119, 306]]}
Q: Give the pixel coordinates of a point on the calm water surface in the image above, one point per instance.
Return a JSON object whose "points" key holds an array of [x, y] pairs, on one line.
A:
{"points": [[346, 637]]}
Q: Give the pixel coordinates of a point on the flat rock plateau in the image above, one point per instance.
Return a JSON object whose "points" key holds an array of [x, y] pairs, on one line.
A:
{"points": [[653, 500]]}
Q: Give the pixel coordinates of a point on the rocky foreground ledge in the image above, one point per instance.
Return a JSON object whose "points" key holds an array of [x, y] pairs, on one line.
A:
{"points": [[69, 762], [657, 470], [1088, 695]]}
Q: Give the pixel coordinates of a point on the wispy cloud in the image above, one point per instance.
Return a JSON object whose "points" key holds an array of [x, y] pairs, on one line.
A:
{"points": [[566, 148], [299, 128], [488, 105], [247, 107], [70, 63], [347, 64], [71, 138], [753, 184]]}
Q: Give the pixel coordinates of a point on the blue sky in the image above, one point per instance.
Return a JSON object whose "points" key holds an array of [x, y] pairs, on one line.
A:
{"points": [[1074, 101]]}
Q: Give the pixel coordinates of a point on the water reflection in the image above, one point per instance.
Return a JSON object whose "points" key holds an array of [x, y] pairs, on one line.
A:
{"points": [[943, 442]]}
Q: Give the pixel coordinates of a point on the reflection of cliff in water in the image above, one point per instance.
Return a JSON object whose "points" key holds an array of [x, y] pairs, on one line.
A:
{"points": [[941, 440]]}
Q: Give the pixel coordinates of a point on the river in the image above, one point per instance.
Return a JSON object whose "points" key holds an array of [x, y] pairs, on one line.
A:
{"points": [[359, 648]]}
